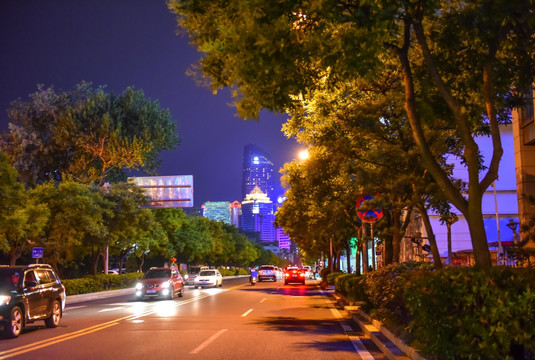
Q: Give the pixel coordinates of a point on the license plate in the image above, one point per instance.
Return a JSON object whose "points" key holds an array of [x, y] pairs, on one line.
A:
{"points": [[151, 291]]}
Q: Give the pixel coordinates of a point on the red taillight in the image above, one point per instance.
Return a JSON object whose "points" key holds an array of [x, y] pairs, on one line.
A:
{"points": [[286, 274]]}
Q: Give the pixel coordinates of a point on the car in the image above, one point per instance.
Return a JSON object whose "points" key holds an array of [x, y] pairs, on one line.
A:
{"points": [[192, 273], [211, 277], [162, 282], [308, 272], [294, 275], [29, 293], [267, 272]]}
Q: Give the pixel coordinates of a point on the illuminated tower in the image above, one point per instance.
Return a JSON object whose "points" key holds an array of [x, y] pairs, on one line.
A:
{"points": [[258, 216], [257, 171]]}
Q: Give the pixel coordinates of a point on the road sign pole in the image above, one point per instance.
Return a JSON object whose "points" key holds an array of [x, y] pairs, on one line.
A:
{"points": [[373, 246]]}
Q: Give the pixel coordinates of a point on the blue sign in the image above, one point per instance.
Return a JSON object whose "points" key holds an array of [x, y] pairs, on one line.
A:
{"points": [[37, 252]]}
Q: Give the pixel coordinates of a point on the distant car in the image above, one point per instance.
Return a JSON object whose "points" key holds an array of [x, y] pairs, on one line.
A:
{"points": [[27, 294], [164, 282], [192, 273], [210, 277], [308, 272], [294, 275], [267, 272]]}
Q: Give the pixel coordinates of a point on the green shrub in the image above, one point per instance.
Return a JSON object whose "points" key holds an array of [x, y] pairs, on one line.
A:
{"points": [[331, 277], [470, 313], [242, 272], [100, 282], [324, 273]]}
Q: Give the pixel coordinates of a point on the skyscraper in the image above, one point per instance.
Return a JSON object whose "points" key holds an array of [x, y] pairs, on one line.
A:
{"points": [[258, 216], [257, 171], [217, 210]]}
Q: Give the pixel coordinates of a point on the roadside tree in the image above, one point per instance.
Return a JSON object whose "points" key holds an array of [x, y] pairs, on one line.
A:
{"points": [[466, 63]]}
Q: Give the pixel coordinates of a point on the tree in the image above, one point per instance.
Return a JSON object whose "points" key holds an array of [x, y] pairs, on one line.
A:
{"points": [[21, 218], [130, 226], [76, 226], [86, 133], [460, 62]]}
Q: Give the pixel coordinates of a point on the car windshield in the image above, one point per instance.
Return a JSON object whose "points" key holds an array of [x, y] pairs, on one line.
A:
{"points": [[267, 268], [194, 270], [159, 273], [207, 273], [9, 278]]}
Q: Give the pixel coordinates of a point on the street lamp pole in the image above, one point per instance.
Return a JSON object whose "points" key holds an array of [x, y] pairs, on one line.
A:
{"points": [[512, 225]]}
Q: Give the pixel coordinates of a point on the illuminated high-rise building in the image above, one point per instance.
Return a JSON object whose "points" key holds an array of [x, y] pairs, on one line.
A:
{"points": [[257, 171], [217, 210], [235, 214], [258, 216]]}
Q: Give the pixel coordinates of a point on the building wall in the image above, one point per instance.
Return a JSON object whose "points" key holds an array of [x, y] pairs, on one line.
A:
{"points": [[500, 203], [257, 171], [167, 191], [217, 210]]}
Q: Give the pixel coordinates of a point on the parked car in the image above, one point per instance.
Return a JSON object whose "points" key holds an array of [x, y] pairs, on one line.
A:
{"points": [[192, 273], [210, 277], [27, 294], [163, 282], [267, 272], [294, 275]]}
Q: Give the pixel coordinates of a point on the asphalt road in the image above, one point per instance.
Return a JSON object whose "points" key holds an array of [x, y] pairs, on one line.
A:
{"points": [[267, 321]]}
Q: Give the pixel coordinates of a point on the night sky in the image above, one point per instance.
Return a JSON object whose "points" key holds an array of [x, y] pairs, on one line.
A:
{"points": [[121, 43]]}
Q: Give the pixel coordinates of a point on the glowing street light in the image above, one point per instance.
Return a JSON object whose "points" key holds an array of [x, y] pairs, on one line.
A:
{"points": [[303, 155]]}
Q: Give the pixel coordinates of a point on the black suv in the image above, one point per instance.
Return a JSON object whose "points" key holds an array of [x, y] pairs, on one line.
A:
{"points": [[29, 293]]}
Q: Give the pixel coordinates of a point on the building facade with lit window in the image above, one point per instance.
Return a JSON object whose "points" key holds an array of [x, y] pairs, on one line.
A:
{"points": [[235, 214], [257, 171], [217, 210], [174, 191], [258, 215]]}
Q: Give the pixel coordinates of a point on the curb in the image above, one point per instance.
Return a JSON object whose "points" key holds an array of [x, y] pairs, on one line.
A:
{"points": [[391, 346]]}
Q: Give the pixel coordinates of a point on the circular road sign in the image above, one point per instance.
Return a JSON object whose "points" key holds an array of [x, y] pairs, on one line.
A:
{"points": [[369, 216]]}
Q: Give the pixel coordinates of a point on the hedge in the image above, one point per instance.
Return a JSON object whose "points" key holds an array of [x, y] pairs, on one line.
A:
{"points": [[454, 313], [103, 282], [100, 282]]}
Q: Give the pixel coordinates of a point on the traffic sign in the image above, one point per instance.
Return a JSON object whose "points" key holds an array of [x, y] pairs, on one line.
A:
{"points": [[369, 216], [37, 252]]}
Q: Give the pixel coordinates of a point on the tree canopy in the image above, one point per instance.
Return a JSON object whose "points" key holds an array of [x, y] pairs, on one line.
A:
{"points": [[461, 66], [86, 133]]}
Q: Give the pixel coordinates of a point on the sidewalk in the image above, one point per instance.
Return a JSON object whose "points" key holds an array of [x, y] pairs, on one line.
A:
{"points": [[391, 346]]}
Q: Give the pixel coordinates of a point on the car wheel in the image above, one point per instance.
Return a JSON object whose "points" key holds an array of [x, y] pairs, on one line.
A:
{"points": [[55, 316], [221, 283], [13, 326], [196, 287], [286, 283]]}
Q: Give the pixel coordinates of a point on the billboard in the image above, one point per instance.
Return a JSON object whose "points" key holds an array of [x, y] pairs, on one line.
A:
{"points": [[174, 191]]}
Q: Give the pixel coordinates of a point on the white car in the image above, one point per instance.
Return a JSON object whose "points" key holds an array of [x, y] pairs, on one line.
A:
{"points": [[211, 277]]}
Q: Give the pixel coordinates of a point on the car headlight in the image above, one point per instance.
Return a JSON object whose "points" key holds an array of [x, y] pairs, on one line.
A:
{"points": [[4, 299], [186, 276], [166, 284], [139, 286]]}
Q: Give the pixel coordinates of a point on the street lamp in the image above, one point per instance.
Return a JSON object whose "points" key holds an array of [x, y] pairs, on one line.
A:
{"points": [[303, 155], [512, 225]]}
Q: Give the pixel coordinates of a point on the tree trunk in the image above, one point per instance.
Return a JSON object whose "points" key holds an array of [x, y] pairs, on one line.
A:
{"points": [[96, 256], [478, 236], [432, 239], [348, 255]]}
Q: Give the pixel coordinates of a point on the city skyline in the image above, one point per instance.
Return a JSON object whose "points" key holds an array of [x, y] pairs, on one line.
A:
{"points": [[134, 43]]}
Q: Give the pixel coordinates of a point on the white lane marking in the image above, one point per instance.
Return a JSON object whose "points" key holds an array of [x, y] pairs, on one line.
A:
{"points": [[264, 299], [110, 309], [355, 340], [74, 307], [247, 312], [207, 342]]}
